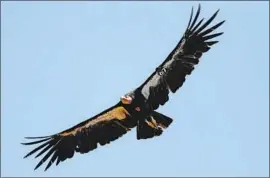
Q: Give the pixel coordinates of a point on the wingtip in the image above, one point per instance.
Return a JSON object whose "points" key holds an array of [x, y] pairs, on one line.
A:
{"points": [[25, 156], [217, 12], [47, 167], [36, 137], [37, 166], [198, 7], [191, 12]]}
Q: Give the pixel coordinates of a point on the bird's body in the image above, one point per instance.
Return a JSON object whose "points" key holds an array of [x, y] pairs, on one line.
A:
{"points": [[136, 108]]}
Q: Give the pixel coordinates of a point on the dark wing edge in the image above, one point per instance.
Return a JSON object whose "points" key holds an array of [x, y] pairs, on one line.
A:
{"points": [[171, 74], [84, 137]]}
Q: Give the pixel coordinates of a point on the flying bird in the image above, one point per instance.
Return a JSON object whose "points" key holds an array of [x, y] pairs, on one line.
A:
{"points": [[136, 109]]}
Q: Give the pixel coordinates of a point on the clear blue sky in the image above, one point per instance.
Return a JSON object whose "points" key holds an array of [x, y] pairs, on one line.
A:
{"points": [[63, 62]]}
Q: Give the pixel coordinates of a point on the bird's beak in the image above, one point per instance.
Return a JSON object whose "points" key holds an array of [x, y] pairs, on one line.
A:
{"points": [[126, 99]]}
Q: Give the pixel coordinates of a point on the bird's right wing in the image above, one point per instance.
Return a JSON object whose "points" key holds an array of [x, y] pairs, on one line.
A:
{"points": [[84, 137], [171, 74]]}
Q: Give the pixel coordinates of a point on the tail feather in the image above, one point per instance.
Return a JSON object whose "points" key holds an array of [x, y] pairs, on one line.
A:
{"points": [[152, 126]]}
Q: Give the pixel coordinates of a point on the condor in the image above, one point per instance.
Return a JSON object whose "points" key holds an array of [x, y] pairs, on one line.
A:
{"points": [[135, 109]]}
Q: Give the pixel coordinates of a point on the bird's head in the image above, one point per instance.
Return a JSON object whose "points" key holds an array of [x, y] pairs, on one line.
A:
{"points": [[129, 100], [126, 99]]}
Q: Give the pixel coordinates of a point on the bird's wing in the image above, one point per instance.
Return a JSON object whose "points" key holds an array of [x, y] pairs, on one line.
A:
{"points": [[84, 137], [170, 75]]}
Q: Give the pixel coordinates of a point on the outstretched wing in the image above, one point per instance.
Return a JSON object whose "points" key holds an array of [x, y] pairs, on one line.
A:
{"points": [[84, 137], [171, 74]]}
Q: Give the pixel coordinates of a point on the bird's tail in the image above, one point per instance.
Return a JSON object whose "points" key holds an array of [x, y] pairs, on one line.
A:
{"points": [[152, 126]]}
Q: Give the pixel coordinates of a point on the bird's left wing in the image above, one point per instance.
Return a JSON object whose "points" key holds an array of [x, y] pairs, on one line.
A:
{"points": [[84, 137], [171, 74]]}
